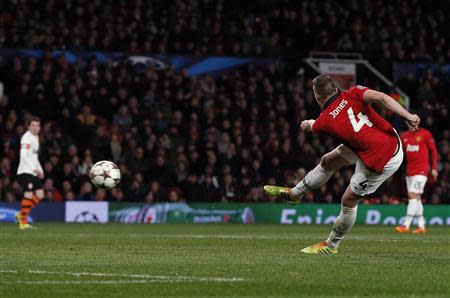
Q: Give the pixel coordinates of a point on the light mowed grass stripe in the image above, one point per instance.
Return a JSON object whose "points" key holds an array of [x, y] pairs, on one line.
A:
{"points": [[89, 282], [179, 278]]}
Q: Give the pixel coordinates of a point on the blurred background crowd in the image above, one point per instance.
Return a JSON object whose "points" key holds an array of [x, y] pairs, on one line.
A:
{"points": [[177, 137], [404, 30]]}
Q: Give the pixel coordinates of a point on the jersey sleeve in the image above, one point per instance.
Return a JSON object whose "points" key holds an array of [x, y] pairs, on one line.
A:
{"points": [[358, 91], [317, 126], [432, 146]]}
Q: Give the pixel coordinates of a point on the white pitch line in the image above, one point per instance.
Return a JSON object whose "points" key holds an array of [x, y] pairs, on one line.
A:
{"points": [[263, 237], [90, 282], [78, 274], [197, 236], [155, 278], [299, 236]]}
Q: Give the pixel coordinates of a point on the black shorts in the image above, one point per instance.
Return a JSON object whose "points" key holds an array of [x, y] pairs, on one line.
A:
{"points": [[29, 182]]}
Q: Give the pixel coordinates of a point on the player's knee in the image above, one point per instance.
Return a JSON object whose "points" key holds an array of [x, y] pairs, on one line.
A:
{"points": [[350, 203], [350, 199], [413, 196], [28, 195], [332, 161], [40, 193], [327, 162]]}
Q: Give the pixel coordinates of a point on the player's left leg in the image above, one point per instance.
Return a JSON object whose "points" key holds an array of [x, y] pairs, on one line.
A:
{"points": [[411, 211], [36, 199], [421, 181], [415, 186], [420, 218], [25, 208], [341, 227], [346, 218]]}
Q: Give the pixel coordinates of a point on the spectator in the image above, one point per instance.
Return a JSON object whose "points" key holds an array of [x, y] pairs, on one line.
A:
{"points": [[228, 189], [161, 171], [137, 188], [191, 188], [174, 195], [209, 189], [100, 195], [86, 192], [115, 147], [138, 164], [156, 193], [122, 119]]}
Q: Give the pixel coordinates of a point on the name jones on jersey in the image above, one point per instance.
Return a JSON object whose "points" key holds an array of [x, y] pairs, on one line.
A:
{"points": [[338, 109]]}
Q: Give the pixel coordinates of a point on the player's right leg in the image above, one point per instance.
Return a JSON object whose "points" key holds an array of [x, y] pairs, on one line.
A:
{"points": [[337, 158]]}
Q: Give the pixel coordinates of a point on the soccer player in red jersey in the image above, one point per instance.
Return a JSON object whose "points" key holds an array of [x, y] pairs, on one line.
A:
{"points": [[368, 141], [418, 146]]}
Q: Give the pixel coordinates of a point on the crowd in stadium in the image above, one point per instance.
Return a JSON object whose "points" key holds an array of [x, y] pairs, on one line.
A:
{"points": [[382, 31], [177, 137]]}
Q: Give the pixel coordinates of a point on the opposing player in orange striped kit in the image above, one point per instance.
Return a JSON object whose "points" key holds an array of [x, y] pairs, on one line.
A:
{"points": [[30, 172]]}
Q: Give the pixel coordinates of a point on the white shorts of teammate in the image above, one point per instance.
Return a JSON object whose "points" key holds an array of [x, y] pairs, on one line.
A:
{"points": [[416, 183], [365, 181]]}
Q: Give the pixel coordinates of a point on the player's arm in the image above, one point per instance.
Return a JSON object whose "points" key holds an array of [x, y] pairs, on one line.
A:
{"points": [[375, 96], [434, 156], [39, 170]]}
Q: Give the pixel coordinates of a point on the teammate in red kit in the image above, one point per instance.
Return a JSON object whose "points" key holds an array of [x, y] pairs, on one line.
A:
{"points": [[418, 146], [368, 141]]}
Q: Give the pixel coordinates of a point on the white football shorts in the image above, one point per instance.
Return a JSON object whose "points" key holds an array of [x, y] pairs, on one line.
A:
{"points": [[364, 181], [416, 183]]}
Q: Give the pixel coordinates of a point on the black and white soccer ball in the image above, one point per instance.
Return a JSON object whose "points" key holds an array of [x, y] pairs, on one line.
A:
{"points": [[105, 174]]}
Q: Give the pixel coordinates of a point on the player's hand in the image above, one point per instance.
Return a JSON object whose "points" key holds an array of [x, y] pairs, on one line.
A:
{"points": [[39, 174], [413, 122], [306, 125], [434, 175]]}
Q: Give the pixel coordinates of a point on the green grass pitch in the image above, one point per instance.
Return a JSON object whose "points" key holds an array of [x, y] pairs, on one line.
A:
{"points": [[114, 260]]}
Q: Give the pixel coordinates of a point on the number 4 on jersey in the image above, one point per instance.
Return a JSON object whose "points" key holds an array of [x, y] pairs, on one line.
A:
{"points": [[358, 124]]}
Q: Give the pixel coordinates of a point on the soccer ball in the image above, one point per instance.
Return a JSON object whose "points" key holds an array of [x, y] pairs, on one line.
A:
{"points": [[105, 174]]}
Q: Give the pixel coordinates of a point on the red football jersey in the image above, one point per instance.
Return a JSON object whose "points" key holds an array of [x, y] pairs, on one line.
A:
{"points": [[347, 117], [418, 146]]}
